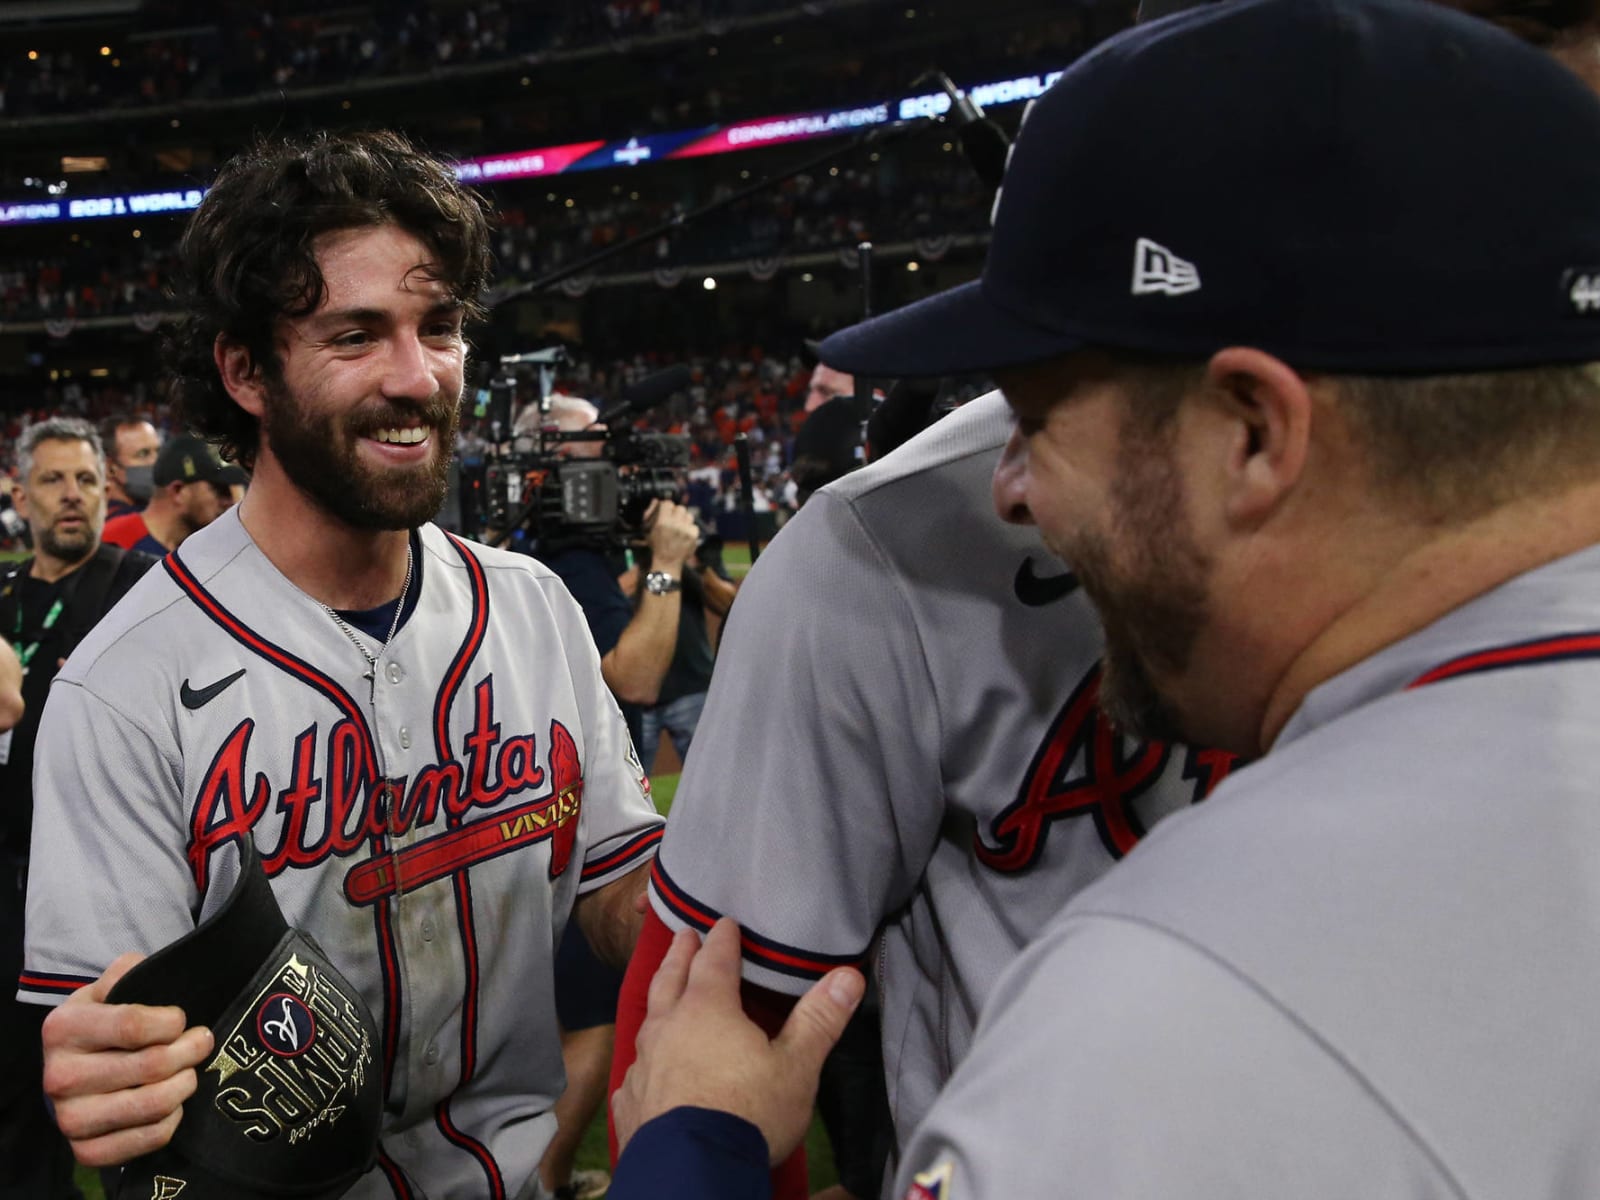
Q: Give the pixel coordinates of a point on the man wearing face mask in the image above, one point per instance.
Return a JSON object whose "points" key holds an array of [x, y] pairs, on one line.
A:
{"points": [[47, 604], [131, 444], [193, 488]]}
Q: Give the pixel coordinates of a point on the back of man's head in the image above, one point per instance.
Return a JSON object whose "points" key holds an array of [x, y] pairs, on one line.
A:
{"points": [[248, 256]]}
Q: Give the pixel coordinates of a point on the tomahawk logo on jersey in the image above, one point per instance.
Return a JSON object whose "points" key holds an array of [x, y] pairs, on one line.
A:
{"points": [[1084, 767]]}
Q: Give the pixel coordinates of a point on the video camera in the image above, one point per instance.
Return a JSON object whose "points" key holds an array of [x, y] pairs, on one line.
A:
{"points": [[592, 485]]}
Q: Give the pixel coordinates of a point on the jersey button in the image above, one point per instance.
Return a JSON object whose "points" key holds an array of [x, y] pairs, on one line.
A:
{"points": [[427, 929], [395, 672], [431, 1055], [405, 738]]}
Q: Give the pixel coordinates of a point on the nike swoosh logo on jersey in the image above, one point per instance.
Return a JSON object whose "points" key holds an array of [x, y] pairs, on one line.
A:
{"points": [[1036, 592], [199, 698]]}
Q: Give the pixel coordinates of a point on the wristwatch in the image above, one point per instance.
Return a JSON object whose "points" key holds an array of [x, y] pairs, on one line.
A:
{"points": [[659, 583]]}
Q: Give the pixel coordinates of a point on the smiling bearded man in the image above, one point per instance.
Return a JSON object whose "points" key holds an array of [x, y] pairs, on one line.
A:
{"points": [[412, 730]]}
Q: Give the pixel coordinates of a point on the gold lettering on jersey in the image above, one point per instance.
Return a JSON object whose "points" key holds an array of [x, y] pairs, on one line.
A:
{"points": [[167, 1188], [269, 1095], [333, 804]]}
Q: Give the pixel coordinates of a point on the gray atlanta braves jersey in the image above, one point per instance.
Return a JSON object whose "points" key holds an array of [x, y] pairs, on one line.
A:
{"points": [[430, 827], [1367, 966], [902, 736]]}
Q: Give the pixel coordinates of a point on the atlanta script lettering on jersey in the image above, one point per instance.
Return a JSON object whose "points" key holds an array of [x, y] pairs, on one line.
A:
{"points": [[359, 809]]}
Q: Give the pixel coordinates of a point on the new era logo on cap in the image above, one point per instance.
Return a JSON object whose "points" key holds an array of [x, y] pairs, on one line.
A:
{"points": [[1157, 269]]}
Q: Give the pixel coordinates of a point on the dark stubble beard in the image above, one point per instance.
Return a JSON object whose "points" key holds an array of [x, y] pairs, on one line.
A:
{"points": [[73, 549], [320, 454], [1154, 607]]}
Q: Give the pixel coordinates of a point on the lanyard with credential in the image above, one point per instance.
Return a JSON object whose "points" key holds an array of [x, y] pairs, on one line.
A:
{"points": [[25, 653]]}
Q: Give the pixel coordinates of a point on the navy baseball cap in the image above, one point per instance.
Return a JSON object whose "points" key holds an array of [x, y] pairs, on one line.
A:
{"points": [[291, 1101], [1375, 186]]}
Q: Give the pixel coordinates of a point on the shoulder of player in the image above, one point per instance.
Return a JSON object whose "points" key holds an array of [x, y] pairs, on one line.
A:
{"points": [[451, 552], [978, 428], [148, 627]]}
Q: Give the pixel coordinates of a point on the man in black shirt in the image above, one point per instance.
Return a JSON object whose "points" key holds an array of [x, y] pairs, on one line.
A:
{"points": [[47, 604]]}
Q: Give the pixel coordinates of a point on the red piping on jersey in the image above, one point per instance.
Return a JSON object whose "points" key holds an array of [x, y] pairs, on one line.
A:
{"points": [[774, 955], [395, 1176], [497, 1189], [342, 700], [477, 626], [275, 655], [1517, 654], [392, 996], [629, 850], [55, 985]]}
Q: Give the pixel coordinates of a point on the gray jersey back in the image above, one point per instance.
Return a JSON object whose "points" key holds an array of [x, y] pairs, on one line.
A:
{"points": [[219, 701], [1366, 967], [901, 735]]}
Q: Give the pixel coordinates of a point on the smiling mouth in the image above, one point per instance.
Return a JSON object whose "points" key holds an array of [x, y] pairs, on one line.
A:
{"points": [[410, 435]]}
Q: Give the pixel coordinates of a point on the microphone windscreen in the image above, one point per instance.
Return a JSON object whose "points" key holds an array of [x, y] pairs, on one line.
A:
{"points": [[986, 147], [656, 387]]}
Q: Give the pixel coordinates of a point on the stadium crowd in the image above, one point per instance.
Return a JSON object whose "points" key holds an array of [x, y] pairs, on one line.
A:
{"points": [[747, 391], [190, 51], [825, 210]]}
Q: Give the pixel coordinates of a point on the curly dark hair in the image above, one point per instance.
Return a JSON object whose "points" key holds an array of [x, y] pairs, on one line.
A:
{"points": [[248, 256]]}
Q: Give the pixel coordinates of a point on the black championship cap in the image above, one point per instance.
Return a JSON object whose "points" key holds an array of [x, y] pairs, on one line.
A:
{"points": [[186, 458], [291, 1101], [1375, 186]]}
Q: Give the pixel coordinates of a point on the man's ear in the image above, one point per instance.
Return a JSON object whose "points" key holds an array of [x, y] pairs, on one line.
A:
{"points": [[241, 374], [1270, 407], [19, 501]]}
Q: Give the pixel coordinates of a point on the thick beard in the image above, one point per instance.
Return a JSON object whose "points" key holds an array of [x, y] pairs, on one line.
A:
{"points": [[71, 550], [319, 454], [1153, 608]]}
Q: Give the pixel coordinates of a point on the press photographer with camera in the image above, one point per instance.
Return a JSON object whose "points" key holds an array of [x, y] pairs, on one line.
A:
{"points": [[636, 644], [636, 650]]}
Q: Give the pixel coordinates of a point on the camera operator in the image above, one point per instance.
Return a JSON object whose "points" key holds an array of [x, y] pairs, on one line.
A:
{"points": [[636, 649], [636, 645], [706, 587]]}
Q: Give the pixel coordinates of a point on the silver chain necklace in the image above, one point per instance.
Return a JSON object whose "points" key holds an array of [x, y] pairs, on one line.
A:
{"points": [[371, 672]]}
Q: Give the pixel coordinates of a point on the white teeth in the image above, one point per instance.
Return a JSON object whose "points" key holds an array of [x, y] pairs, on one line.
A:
{"points": [[402, 437]]}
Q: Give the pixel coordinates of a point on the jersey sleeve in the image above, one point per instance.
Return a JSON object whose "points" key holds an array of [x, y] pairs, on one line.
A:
{"points": [[106, 868], [808, 807], [621, 828], [1164, 1074]]}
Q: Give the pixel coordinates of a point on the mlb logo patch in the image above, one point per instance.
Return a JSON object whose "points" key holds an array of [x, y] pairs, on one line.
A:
{"points": [[934, 1183]]}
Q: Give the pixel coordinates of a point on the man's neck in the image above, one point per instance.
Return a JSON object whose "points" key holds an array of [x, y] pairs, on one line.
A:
{"points": [[1438, 575], [50, 569], [114, 492], [332, 562], [164, 522]]}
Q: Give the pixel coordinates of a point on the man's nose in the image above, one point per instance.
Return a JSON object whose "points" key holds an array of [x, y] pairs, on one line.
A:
{"points": [[409, 370], [1009, 485]]}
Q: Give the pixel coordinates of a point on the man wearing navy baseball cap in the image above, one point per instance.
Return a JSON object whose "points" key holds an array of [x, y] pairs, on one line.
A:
{"points": [[1297, 306]]}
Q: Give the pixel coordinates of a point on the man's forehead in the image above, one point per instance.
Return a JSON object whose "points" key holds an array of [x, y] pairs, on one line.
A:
{"points": [[61, 452], [137, 431], [376, 260], [1040, 385]]}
